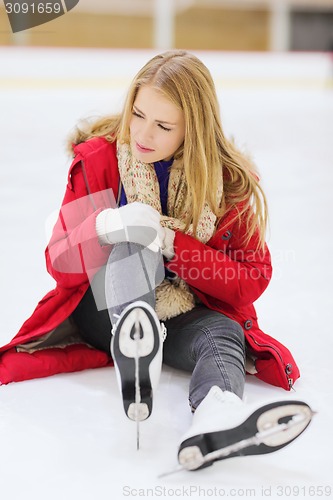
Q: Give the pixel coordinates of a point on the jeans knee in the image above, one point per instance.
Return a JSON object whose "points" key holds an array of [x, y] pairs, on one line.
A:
{"points": [[237, 333], [124, 249], [228, 331], [237, 329]]}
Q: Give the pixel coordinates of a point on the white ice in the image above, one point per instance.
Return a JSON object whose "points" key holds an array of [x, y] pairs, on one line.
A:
{"points": [[66, 436]]}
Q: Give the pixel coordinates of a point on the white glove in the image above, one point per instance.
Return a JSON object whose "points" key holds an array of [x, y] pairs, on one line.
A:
{"points": [[168, 249], [135, 222]]}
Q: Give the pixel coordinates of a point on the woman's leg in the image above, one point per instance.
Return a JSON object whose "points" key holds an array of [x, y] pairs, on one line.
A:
{"points": [[211, 347], [131, 273], [93, 320], [131, 276]]}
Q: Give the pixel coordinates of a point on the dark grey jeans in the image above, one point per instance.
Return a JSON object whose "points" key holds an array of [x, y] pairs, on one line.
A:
{"points": [[203, 342]]}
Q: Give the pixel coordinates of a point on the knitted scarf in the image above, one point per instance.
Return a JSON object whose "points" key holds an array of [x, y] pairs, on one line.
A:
{"points": [[141, 184]]}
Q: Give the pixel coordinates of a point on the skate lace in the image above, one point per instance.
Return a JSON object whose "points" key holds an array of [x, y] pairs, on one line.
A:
{"points": [[163, 332], [114, 326]]}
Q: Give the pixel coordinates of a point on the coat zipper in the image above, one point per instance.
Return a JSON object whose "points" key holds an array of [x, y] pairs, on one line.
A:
{"points": [[289, 379], [120, 186]]}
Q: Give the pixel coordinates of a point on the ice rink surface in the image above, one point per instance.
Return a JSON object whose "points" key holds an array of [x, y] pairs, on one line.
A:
{"points": [[66, 437]]}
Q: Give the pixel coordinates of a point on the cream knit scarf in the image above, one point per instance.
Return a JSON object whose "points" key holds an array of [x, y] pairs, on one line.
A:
{"points": [[141, 184]]}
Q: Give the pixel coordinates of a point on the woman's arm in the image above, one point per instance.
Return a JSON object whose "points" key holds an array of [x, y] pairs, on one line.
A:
{"points": [[74, 253], [225, 269]]}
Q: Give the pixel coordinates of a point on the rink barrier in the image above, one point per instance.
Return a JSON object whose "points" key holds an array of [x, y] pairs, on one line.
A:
{"points": [[20, 83]]}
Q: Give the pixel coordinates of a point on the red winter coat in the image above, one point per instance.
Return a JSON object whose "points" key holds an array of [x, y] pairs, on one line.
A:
{"points": [[226, 276]]}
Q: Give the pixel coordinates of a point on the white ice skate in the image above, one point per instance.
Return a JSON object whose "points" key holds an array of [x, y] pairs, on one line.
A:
{"points": [[136, 348], [224, 427]]}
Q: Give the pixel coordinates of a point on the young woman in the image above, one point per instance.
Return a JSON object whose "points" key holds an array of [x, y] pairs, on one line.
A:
{"points": [[163, 219]]}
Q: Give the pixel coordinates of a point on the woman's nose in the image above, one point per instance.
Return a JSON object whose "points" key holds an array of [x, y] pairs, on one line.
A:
{"points": [[146, 132]]}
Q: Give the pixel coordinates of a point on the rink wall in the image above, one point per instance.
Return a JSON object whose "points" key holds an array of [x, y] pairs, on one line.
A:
{"points": [[195, 27], [107, 68]]}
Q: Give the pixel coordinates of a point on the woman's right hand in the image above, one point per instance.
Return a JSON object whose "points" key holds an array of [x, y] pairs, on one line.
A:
{"points": [[135, 222]]}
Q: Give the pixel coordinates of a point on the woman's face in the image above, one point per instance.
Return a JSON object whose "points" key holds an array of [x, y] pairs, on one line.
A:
{"points": [[157, 126]]}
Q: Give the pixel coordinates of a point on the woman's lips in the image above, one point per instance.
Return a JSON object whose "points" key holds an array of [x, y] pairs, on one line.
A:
{"points": [[142, 149]]}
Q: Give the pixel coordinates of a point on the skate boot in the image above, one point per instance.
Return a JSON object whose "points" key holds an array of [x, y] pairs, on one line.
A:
{"points": [[136, 348], [224, 427]]}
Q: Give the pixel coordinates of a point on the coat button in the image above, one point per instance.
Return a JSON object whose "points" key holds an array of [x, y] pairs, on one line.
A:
{"points": [[289, 368], [226, 235], [248, 324]]}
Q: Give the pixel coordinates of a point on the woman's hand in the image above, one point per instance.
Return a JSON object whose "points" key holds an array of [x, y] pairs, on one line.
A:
{"points": [[135, 222], [167, 247]]}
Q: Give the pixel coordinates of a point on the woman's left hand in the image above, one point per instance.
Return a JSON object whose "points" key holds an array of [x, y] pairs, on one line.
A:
{"points": [[167, 244]]}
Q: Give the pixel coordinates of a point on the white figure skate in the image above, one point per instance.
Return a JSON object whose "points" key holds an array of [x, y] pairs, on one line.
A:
{"points": [[224, 427], [136, 348]]}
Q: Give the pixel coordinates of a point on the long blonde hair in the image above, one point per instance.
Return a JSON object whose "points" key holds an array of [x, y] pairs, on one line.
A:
{"points": [[206, 154]]}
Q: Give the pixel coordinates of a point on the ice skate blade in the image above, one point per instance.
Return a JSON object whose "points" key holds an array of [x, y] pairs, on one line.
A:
{"points": [[298, 418], [135, 343], [267, 430], [138, 411], [191, 458]]}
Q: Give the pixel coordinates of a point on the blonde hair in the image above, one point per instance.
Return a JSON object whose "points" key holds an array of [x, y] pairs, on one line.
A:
{"points": [[206, 154]]}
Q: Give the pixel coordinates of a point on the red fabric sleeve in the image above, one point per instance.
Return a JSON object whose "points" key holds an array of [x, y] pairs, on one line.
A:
{"points": [[74, 253], [234, 274]]}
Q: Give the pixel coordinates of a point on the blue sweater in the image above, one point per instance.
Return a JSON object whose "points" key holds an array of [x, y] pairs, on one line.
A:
{"points": [[162, 169]]}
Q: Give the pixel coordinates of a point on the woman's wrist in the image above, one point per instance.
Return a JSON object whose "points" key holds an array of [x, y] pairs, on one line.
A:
{"points": [[107, 222]]}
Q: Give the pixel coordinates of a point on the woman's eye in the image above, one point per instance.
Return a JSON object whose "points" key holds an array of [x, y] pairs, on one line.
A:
{"points": [[160, 125], [164, 128]]}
